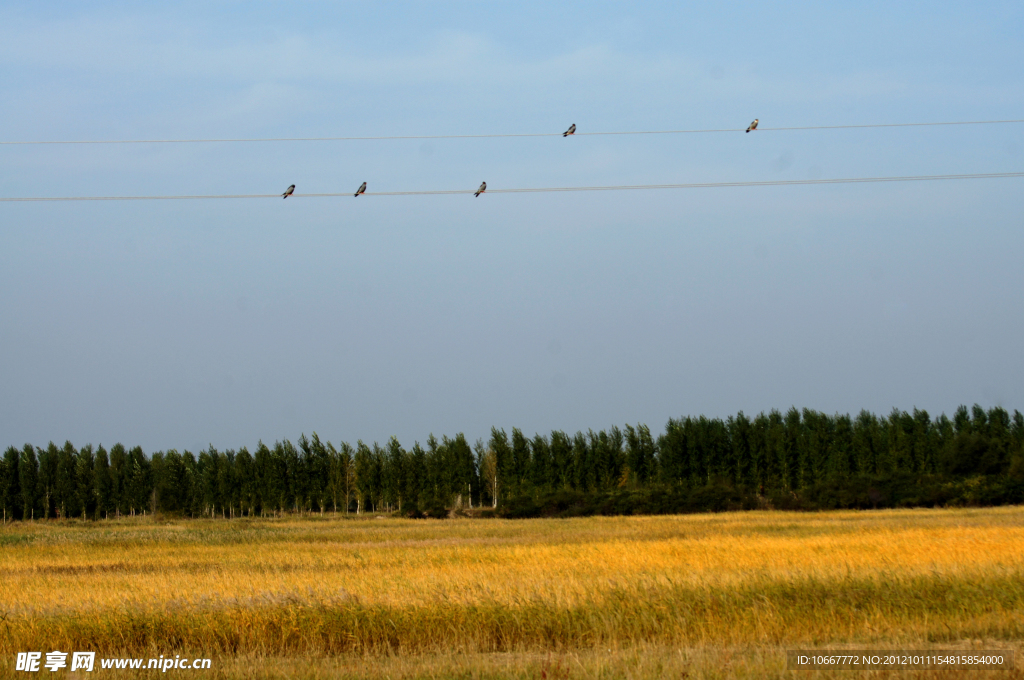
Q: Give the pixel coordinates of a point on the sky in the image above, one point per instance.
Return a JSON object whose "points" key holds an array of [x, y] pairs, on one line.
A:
{"points": [[183, 324]]}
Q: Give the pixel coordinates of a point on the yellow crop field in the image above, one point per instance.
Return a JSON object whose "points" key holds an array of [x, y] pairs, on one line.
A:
{"points": [[714, 595]]}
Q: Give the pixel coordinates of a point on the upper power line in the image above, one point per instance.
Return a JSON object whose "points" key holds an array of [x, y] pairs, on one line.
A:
{"points": [[622, 187], [574, 133]]}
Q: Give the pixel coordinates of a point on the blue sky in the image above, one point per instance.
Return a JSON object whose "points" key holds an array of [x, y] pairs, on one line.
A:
{"points": [[181, 324]]}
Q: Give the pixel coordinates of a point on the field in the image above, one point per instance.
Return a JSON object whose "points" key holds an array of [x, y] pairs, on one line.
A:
{"points": [[712, 595]]}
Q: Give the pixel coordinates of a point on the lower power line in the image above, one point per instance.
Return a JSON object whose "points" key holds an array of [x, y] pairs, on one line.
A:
{"points": [[537, 190]]}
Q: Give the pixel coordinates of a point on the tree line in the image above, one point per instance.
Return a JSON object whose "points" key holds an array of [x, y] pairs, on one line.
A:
{"points": [[794, 459]]}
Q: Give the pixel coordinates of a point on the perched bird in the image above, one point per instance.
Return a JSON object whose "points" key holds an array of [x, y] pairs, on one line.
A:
{"points": [[753, 126], [570, 131], [288, 192], [361, 189], [482, 189]]}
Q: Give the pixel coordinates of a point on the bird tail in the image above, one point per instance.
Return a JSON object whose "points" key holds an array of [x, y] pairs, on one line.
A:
{"points": [[565, 134]]}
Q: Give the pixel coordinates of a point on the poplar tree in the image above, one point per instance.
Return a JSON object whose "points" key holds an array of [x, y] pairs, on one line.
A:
{"points": [[841, 462], [346, 461], [672, 449], [335, 484], [10, 488], [207, 464], [540, 464], [364, 469], [28, 480], [741, 434], [65, 486], [139, 482], [393, 474], [520, 462], [464, 477], [268, 478], [172, 485], [504, 470], [319, 473], [245, 479], [583, 464], [47, 478], [296, 476], [561, 460], [101, 474], [640, 453], [118, 479], [437, 472], [764, 472], [192, 484], [226, 490], [488, 466], [415, 475]]}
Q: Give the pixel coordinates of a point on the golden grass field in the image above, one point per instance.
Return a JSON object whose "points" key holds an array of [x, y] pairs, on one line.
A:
{"points": [[711, 595]]}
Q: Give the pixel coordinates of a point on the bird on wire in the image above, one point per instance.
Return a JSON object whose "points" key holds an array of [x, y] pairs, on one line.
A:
{"points": [[752, 126], [482, 189], [361, 189], [570, 131], [288, 192]]}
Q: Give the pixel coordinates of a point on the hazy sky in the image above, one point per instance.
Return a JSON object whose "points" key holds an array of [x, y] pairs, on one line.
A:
{"points": [[181, 324]]}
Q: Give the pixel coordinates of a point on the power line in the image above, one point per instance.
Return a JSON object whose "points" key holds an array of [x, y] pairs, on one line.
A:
{"points": [[623, 187], [490, 136]]}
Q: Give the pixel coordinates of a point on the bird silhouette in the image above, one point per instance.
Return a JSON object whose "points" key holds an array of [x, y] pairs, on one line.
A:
{"points": [[482, 189], [288, 192], [361, 189], [753, 126], [570, 131]]}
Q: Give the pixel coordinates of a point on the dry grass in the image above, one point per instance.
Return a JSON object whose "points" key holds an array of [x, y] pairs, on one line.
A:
{"points": [[639, 661], [492, 598]]}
